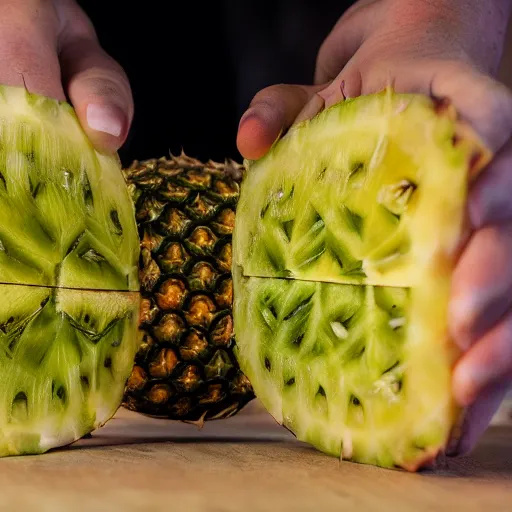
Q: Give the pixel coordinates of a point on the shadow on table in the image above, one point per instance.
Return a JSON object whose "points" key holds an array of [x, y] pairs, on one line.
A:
{"points": [[491, 458]]}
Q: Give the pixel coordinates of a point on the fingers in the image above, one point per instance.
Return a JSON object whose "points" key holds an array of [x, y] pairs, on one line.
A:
{"points": [[337, 49], [488, 363], [478, 416], [96, 84], [490, 197], [484, 102], [481, 324], [344, 40], [481, 284], [28, 47], [480, 320], [272, 111]]}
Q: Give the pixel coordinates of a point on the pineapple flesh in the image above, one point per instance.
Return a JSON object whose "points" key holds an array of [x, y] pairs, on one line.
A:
{"points": [[69, 277], [344, 244], [185, 368]]}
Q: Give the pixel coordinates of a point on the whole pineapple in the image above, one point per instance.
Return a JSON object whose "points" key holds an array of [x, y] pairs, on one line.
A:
{"points": [[185, 368]]}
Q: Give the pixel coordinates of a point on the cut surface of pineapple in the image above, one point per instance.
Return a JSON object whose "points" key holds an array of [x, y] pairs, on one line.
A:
{"points": [[370, 191], [66, 215], [359, 372], [344, 245], [64, 359], [68, 277]]}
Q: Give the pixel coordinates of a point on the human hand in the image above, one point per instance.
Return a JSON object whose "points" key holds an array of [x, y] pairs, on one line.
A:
{"points": [[50, 47], [448, 48]]}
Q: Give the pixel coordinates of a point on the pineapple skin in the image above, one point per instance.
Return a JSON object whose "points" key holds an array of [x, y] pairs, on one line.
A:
{"points": [[185, 368]]}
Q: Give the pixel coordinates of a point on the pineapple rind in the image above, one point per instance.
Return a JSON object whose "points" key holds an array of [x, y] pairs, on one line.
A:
{"points": [[68, 220], [185, 368], [64, 361]]}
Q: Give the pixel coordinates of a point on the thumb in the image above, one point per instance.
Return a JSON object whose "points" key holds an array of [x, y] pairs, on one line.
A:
{"points": [[95, 83], [271, 112]]}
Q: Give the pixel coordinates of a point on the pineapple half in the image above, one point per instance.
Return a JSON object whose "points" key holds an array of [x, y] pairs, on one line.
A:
{"points": [[344, 243], [69, 277]]}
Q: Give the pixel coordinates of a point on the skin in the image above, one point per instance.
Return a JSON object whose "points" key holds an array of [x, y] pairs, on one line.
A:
{"points": [[450, 48]]}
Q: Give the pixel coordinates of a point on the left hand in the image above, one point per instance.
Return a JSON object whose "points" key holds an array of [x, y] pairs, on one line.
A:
{"points": [[448, 48]]}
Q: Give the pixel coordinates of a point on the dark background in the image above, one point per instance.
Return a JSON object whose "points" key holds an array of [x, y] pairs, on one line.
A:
{"points": [[194, 67]]}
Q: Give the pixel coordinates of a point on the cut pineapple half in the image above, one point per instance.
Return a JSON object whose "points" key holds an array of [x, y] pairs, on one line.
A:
{"points": [[344, 244], [69, 282]]}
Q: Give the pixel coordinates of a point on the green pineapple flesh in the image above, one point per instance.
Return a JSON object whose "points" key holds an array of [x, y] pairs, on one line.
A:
{"points": [[344, 243], [351, 196], [68, 277], [68, 217], [65, 356], [356, 371]]}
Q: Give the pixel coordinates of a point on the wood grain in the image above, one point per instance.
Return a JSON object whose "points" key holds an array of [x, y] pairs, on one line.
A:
{"points": [[247, 463]]}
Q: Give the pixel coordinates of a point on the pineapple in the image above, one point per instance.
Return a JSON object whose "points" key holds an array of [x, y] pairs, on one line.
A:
{"points": [[343, 249], [185, 368], [68, 267]]}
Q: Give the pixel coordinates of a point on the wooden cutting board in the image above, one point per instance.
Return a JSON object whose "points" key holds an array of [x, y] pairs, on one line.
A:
{"points": [[244, 464]]}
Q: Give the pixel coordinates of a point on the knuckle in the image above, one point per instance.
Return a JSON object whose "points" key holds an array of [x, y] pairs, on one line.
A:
{"points": [[23, 56], [271, 95]]}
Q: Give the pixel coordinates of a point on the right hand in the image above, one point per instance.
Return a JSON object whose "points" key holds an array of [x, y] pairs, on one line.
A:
{"points": [[50, 47], [451, 48]]}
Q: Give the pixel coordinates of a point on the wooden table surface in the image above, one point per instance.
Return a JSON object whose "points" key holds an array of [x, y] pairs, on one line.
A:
{"points": [[244, 464]]}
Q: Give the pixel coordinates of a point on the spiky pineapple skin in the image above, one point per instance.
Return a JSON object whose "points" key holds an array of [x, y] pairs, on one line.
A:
{"points": [[185, 368]]}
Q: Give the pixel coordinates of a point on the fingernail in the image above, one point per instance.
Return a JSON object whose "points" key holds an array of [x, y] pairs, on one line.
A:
{"points": [[310, 109], [342, 89], [102, 118]]}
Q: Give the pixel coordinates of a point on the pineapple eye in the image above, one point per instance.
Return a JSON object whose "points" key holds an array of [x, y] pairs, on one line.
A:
{"points": [[114, 217], [355, 401], [397, 196]]}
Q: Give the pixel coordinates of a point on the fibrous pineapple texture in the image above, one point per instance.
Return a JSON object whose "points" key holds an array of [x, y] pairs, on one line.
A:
{"points": [[185, 368], [67, 218], [344, 244], [369, 192], [68, 268]]}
